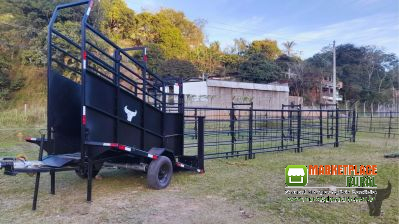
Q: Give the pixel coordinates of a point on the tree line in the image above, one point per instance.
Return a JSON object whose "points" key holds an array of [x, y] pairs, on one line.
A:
{"points": [[177, 46]]}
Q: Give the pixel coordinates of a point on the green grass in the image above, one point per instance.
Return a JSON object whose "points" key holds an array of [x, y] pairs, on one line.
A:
{"points": [[20, 118], [231, 191]]}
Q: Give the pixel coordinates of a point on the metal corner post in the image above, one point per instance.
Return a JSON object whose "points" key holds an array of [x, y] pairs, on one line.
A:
{"points": [[201, 142]]}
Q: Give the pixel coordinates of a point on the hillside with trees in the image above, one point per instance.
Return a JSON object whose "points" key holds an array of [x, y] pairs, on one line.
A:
{"points": [[177, 46]]}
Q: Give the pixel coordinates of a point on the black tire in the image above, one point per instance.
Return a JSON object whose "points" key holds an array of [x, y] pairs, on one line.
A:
{"points": [[159, 173], [82, 172]]}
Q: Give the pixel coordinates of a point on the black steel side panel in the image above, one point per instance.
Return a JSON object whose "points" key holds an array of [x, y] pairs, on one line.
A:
{"points": [[100, 94], [64, 115], [133, 122], [173, 126]]}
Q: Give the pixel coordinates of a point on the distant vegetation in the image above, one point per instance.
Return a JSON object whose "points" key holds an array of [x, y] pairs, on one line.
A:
{"points": [[177, 47]]}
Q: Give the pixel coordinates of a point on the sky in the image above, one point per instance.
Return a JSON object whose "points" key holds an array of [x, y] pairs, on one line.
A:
{"points": [[312, 24]]}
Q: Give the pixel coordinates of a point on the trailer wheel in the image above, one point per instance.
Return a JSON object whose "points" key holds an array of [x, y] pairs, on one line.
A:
{"points": [[159, 173], [82, 172]]}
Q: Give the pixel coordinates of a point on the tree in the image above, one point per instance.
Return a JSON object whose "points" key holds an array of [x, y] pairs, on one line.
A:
{"points": [[289, 45], [240, 46], [367, 72], [288, 64], [118, 19], [191, 31], [180, 68], [259, 70], [268, 48], [231, 63]]}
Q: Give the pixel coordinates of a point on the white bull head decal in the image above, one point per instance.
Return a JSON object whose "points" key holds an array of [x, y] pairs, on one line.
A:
{"points": [[130, 114]]}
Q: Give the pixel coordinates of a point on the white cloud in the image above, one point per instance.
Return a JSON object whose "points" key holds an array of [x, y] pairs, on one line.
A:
{"points": [[380, 30]]}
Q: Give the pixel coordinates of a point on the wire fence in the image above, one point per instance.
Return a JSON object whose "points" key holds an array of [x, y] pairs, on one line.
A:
{"points": [[240, 131], [383, 123]]}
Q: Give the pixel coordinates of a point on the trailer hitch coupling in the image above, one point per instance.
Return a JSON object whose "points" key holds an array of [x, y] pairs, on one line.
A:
{"points": [[14, 166], [8, 165]]}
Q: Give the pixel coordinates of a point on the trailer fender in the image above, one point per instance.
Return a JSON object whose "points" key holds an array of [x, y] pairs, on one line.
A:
{"points": [[163, 152]]}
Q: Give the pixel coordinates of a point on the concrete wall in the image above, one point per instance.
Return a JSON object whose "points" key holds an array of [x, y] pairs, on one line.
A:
{"points": [[223, 93], [223, 97]]}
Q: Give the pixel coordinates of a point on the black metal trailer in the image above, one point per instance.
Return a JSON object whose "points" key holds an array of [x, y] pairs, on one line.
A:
{"points": [[105, 108]]}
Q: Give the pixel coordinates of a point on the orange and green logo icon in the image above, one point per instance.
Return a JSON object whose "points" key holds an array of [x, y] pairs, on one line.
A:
{"points": [[296, 175]]}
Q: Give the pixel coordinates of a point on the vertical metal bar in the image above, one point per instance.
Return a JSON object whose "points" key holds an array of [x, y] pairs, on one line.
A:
{"points": [[143, 107], [299, 129], [181, 96], [354, 125], [49, 64], [357, 122], [336, 128], [232, 134], [163, 109], [348, 116], [390, 124], [84, 63], [290, 121], [164, 116], [163, 97], [250, 156], [40, 158], [195, 124], [328, 124], [35, 193], [52, 176], [201, 147], [371, 122], [321, 126], [118, 59], [282, 129], [181, 110], [89, 179], [37, 181]]}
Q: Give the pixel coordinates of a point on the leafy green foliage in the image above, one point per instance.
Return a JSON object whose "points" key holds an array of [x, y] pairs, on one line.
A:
{"points": [[260, 70], [190, 31], [176, 46], [368, 74], [117, 18], [268, 48], [180, 68]]}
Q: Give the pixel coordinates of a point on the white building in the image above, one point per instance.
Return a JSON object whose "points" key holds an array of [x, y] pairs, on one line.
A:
{"points": [[220, 93]]}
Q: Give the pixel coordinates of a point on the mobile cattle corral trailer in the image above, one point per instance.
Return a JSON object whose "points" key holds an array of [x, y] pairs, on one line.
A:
{"points": [[104, 108]]}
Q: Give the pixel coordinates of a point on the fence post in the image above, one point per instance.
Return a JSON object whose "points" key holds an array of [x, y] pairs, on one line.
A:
{"points": [[357, 121], [336, 128], [354, 126], [321, 126], [282, 129], [299, 129], [195, 124], [390, 124], [200, 142], [327, 124], [371, 122], [232, 132], [250, 156], [290, 121]]}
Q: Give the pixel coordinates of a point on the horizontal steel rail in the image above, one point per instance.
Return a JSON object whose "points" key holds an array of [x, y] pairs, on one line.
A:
{"points": [[235, 132]]}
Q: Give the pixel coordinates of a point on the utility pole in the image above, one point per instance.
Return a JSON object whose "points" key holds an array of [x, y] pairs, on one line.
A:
{"points": [[334, 76]]}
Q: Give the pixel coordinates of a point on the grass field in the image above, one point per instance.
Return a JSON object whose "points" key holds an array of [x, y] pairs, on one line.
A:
{"points": [[231, 191]]}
